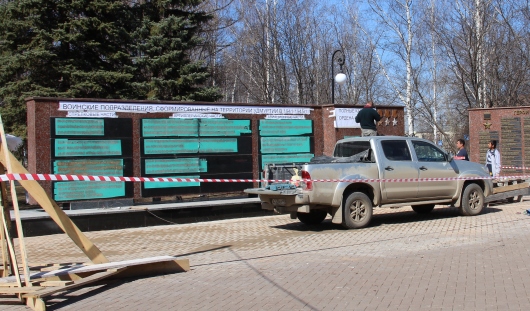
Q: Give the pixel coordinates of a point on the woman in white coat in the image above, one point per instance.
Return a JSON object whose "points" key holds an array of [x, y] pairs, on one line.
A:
{"points": [[493, 159]]}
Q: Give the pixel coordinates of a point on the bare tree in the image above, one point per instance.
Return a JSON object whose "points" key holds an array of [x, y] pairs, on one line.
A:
{"points": [[396, 19]]}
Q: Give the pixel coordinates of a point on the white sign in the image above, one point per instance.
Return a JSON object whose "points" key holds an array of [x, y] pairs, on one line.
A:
{"points": [[92, 114], [152, 108], [345, 118], [285, 117], [196, 116]]}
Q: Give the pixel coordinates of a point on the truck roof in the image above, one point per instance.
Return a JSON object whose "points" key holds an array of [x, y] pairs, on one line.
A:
{"points": [[376, 138]]}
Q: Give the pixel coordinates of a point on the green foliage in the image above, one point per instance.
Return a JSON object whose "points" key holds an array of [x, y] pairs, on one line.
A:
{"points": [[98, 49]]}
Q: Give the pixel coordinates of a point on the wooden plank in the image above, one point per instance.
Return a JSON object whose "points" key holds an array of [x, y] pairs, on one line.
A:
{"points": [[156, 268], [55, 283], [94, 268], [84, 281], [3, 245], [6, 260], [18, 290], [510, 188], [56, 213], [11, 249], [506, 195], [36, 304], [14, 199]]}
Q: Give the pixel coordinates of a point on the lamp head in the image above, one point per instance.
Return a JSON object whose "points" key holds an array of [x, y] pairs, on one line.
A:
{"points": [[340, 78]]}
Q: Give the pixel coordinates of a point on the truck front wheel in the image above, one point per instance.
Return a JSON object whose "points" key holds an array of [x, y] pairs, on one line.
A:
{"points": [[314, 217], [357, 210], [472, 200]]}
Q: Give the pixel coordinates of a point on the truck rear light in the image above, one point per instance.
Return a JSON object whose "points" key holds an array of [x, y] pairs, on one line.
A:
{"points": [[306, 185]]}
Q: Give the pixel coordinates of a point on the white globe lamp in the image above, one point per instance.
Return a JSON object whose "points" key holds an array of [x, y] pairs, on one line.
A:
{"points": [[340, 78]]}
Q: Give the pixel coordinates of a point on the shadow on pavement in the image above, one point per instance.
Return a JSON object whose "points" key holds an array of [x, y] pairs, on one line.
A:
{"points": [[67, 298], [382, 217]]}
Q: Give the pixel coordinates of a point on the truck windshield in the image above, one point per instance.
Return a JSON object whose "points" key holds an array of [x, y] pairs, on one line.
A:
{"points": [[350, 148]]}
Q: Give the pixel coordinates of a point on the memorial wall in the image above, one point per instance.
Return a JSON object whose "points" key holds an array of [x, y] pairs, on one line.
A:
{"points": [[510, 127], [175, 139]]}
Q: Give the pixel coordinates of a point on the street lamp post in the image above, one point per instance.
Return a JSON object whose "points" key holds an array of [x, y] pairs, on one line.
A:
{"points": [[340, 78]]}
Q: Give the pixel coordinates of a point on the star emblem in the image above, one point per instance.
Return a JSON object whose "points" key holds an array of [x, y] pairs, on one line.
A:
{"points": [[487, 126], [394, 122]]}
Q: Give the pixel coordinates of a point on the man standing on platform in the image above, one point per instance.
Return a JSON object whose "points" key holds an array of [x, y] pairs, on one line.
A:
{"points": [[367, 118], [462, 152]]}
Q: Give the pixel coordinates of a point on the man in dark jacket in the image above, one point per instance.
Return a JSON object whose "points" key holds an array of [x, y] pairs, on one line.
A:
{"points": [[367, 118], [462, 152]]}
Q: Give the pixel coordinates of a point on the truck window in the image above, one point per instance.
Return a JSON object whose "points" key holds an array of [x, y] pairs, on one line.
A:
{"points": [[350, 148], [427, 152], [396, 150]]}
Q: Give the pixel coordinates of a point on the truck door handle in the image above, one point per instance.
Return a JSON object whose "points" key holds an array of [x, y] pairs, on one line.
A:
{"points": [[389, 168], [423, 168]]}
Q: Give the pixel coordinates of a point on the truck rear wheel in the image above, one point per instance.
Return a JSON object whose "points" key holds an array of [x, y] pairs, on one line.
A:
{"points": [[472, 200], [314, 217], [423, 209], [357, 210]]}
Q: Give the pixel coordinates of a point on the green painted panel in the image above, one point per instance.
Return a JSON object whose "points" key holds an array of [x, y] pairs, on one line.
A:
{"points": [[285, 144], [175, 184], [285, 127], [218, 145], [223, 127], [169, 166], [171, 146], [178, 146], [82, 190], [107, 167], [79, 127], [87, 148], [170, 127], [285, 158]]}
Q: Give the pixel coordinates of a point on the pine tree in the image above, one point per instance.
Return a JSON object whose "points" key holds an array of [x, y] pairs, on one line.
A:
{"points": [[98, 49], [165, 39], [26, 59]]}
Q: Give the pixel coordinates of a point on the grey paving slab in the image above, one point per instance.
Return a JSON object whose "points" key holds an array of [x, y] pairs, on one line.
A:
{"points": [[402, 261]]}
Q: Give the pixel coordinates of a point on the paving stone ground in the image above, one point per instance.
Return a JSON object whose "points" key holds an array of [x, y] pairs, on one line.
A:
{"points": [[402, 261]]}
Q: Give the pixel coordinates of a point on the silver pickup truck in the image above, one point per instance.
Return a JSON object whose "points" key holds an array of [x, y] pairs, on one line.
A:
{"points": [[362, 174]]}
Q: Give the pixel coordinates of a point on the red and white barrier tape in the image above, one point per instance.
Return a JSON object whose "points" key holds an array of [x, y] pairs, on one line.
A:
{"points": [[57, 177], [516, 167]]}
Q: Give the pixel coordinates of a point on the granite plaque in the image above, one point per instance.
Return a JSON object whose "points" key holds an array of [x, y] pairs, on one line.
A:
{"points": [[171, 146], [87, 148], [173, 166], [83, 190], [217, 145], [224, 127], [106, 167], [285, 144], [285, 127], [79, 127], [180, 146], [170, 127], [511, 149]]}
